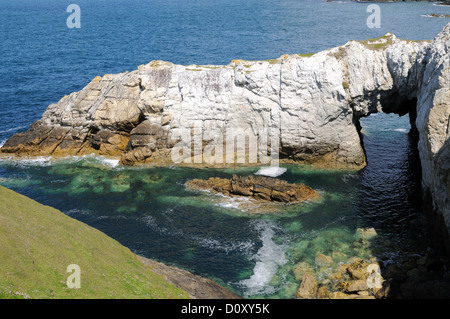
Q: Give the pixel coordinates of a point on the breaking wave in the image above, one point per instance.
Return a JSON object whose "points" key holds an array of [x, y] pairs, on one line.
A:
{"points": [[48, 160], [268, 259]]}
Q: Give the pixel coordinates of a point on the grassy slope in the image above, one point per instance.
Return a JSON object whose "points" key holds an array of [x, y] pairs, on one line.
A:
{"points": [[38, 242]]}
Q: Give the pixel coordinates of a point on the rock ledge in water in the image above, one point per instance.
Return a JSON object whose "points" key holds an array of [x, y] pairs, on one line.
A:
{"points": [[257, 187]]}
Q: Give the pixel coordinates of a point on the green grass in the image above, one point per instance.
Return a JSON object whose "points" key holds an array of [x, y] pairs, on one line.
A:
{"points": [[305, 55], [195, 70], [378, 43], [213, 67], [273, 61], [38, 242]]}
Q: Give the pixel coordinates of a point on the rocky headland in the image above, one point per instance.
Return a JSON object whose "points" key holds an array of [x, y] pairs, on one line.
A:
{"points": [[303, 107], [309, 105]]}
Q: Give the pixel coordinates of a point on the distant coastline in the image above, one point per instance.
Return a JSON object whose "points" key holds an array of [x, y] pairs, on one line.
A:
{"points": [[446, 2]]}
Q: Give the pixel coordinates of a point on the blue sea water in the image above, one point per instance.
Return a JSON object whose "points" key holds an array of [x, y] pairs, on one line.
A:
{"points": [[149, 210]]}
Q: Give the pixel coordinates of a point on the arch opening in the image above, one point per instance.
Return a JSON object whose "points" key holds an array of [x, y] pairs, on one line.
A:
{"points": [[391, 199]]}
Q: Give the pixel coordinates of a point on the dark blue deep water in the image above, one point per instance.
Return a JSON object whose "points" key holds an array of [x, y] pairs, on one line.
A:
{"points": [[149, 210]]}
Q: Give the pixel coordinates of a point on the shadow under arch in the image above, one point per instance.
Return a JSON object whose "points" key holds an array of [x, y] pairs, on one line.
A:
{"points": [[391, 200]]}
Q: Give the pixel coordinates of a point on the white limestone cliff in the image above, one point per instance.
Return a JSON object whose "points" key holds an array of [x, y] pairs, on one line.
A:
{"points": [[433, 125]]}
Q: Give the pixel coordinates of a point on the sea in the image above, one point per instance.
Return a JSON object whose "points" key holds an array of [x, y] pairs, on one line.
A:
{"points": [[149, 210]]}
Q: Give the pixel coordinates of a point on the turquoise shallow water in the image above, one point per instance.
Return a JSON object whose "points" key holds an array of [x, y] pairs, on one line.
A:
{"points": [[148, 209]]}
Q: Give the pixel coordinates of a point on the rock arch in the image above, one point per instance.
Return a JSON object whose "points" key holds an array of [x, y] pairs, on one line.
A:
{"points": [[311, 103]]}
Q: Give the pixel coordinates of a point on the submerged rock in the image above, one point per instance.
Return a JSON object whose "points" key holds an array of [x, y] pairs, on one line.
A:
{"points": [[257, 187], [323, 260], [301, 268], [366, 233]]}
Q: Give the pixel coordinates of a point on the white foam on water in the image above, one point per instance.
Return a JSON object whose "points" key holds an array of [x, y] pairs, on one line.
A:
{"points": [[268, 259], [226, 246], [205, 242], [12, 129], [48, 160], [229, 202], [2, 142], [402, 130], [152, 223], [271, 171], [35, 161], [231, 205], [109, 161]]}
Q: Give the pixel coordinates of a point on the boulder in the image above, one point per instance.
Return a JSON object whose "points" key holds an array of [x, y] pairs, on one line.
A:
{"points": [[323, 293], [358, 269], [353, 286], [308, 287], [342, 295]]}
